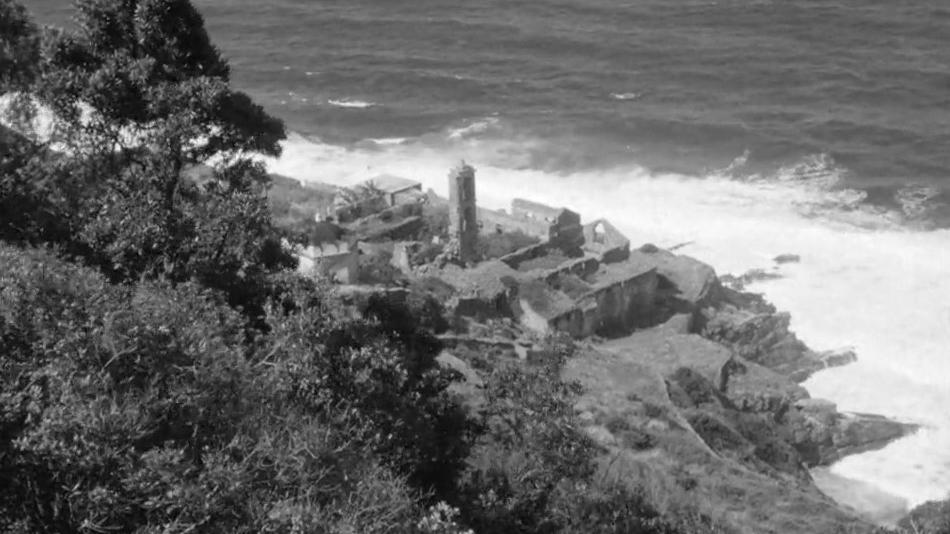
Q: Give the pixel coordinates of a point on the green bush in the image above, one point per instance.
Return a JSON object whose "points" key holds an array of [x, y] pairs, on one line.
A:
{"points": [[144, 407]]}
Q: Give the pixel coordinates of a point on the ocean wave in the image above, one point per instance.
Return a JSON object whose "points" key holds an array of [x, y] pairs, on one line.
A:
{"points": [[626, 96], [473, 128], [349, 103], [389, 141], [921, 203]]}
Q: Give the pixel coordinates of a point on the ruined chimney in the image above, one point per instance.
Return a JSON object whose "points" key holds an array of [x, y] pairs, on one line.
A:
{"points": [[462, 211]]}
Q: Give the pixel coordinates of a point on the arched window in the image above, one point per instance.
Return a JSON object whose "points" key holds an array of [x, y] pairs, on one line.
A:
{"points": [[600, 233]]}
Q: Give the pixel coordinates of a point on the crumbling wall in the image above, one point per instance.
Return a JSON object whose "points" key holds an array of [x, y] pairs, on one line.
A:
{"points": [[612, 310], [359, 209], [492, 221], [335, 261], [606, 241], [580, 267], [618, 308], [520, 256], [567, 233]]}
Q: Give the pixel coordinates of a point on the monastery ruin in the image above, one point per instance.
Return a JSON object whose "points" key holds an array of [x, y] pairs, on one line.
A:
{"points": [[574, 277]]}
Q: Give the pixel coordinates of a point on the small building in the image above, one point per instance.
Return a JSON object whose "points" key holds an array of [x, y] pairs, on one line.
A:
{"points": [[484, 291], [335, 261], [536, 211], [396, 190], [606, 242], [559, 226], [540, 307]]}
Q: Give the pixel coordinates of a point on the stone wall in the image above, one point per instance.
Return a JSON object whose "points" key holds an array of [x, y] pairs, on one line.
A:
{"points": [[491, 221], [360, 209], [621, 307], [528, 253], [610, 310], [580, 267], [335, 261]]}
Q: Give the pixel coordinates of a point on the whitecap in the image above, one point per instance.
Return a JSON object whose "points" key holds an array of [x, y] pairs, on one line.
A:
{"points": [[473, 128], [626, 96], [388, 141], [917, 200], [348, 103]]}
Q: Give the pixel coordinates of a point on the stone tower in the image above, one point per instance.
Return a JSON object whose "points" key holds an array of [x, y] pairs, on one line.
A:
{"points": [[463, 221]]}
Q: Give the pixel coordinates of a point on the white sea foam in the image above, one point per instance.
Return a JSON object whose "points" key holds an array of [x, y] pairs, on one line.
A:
{"points": [[388, 141], [863, 280], [626, 96], [473, 128], [348, 103]]}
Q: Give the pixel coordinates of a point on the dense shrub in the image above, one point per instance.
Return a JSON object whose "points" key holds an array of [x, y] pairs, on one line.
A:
{"points": [[143, 407], [378, 269], [383, 367], [929, 518]]}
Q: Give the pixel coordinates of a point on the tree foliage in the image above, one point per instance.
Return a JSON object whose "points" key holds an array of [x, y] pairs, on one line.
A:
{"points": [[140, 101], [144, 409], [19, 47]]}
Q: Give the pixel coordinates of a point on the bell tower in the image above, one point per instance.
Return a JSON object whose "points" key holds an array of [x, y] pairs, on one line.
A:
{"points": [[463, 223]]}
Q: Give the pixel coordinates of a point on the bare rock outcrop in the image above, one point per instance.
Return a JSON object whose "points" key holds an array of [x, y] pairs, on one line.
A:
{"points": [[686, 284], [666, 425], [823, 435], [762, 335]]}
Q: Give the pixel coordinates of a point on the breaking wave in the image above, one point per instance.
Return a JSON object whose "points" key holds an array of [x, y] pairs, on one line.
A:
{"points": [[348, 103], [472, 128], [626, 96]]}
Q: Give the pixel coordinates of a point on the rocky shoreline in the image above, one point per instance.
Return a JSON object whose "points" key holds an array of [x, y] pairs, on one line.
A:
{"points": [[708, 402]]}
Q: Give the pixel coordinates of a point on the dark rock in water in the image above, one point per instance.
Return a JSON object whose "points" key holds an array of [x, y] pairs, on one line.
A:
{"points": [[822, 435], [837, 358], [787, 258], [814, 362], [858, 432], [761, 335], [763, 338], [752, 275]]}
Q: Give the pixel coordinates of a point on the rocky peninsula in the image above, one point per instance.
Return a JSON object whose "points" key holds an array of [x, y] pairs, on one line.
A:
{"points": [[691, 386]]}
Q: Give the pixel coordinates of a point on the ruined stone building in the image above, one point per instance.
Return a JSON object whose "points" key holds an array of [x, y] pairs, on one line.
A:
{"points": [[336, 261], [559, 226], [396, 189]]}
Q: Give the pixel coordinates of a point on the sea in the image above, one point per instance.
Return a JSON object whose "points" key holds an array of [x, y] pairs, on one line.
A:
{"points": [[736, 130]]}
